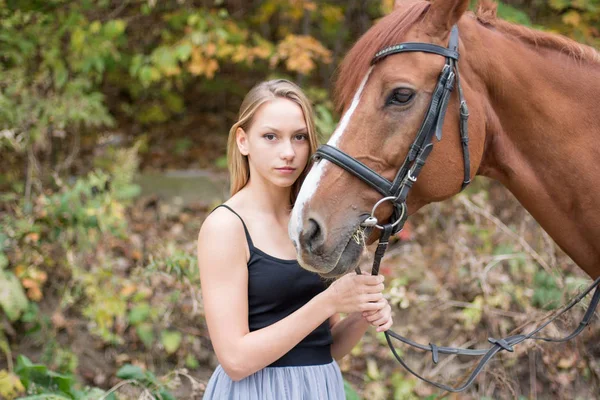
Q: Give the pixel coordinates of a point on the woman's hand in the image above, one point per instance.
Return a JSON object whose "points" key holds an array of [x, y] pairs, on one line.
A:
{"points": [[382, 318], [357, 293]]}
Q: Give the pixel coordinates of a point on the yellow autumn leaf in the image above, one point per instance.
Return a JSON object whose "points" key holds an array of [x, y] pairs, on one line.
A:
{"points": [[310, 6], [240, 55], [211, 67], [171, 71], [387, 6], [300, 53], [332, 14], [34, 293], [210, 49], [20, 270], [196, 64], [10, 385], [225, 50], [128, 290], [572, 18], [261, 52]]}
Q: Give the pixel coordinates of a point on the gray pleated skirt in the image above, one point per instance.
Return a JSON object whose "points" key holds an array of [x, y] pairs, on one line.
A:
{"points": [[319, 382]]}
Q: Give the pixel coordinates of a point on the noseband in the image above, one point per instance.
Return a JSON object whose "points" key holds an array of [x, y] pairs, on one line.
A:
{"points": [[397, 191]]}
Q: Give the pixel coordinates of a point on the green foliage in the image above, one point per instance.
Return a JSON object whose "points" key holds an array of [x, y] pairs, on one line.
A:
{"points": [[12, 296], [42, 383], [146, 379], [177, 263], [547, 295], [75, 216], [171, 340], [48, 88], [350, 392], [513, 14], [403, 388]]}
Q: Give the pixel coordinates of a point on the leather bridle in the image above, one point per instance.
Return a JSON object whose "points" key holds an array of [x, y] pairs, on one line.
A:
{"points": [[397, 192]]}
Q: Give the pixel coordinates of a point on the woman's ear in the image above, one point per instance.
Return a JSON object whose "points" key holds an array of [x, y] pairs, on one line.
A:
{"points": [[241, 138]]}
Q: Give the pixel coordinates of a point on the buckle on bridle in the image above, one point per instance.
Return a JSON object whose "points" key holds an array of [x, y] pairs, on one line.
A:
{"points": [[410, 177]]}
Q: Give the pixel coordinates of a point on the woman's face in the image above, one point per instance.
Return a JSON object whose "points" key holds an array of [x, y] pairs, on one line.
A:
{"points": [[276, 143]]}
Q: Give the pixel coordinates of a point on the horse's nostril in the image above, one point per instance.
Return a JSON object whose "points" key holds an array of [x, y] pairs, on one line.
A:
{"points": [[312, 236]]}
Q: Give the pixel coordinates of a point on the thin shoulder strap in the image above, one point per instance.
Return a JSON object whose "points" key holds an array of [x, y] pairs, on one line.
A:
{"points": [[248, 238]]}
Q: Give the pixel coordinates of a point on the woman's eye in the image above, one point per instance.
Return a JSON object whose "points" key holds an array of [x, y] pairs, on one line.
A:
{"points": [[302, 137], [269, 136], [401, 96]]}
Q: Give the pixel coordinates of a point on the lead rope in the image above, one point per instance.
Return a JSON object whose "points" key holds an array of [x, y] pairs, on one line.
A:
{"points": [[498, 345]]}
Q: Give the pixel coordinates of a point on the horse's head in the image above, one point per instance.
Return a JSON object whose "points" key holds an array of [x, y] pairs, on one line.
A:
{"points": [[384, 106]]}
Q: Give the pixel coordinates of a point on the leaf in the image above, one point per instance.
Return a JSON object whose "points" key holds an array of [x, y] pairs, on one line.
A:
{"points": [[12, 296], [139, 313], [129, 371], [10, 385], [372, 369], [3, 260], [114, 28], [191, 361], [572, 18], [136, 373], [61, 74], [171, 340], [39, 375], [164, 394], [146, 334], [183, 51], [559, 5], [350, 392]]}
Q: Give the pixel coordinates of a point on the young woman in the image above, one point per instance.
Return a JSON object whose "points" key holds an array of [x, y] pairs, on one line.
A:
{"points": [[275, 327]]}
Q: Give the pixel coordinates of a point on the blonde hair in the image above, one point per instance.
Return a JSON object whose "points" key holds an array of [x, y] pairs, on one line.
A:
{"points": [[239, 170]]}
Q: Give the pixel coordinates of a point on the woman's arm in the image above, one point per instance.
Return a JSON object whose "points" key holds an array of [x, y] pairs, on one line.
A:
{"points": [[347, 332], [222, 259]]}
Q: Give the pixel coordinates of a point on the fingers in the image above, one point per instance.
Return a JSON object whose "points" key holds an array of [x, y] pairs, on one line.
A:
{"points": [[374, 317], [385, 326], [378, 317], [382, 320], [373, 297], [371, 280], [374, 305], [374, 288]]}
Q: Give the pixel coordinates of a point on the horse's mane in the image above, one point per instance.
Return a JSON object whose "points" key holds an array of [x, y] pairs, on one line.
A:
{"points": [[387, 31], [486, 15], [358, 60]]}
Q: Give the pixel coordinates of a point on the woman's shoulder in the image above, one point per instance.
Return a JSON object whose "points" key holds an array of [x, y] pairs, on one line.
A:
{"points": [[222, 221]]}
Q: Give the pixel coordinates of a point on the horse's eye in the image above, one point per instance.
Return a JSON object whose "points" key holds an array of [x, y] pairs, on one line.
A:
{"points": [[401, 96]]}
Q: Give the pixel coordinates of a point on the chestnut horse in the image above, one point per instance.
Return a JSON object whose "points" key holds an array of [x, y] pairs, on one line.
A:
{"points": [[533, 102]]}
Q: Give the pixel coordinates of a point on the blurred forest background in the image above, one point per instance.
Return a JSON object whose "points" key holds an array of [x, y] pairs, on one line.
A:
{"points": [[113, 122]]}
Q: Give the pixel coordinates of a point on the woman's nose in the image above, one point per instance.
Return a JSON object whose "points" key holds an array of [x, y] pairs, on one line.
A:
{"points": [[287, 152]]}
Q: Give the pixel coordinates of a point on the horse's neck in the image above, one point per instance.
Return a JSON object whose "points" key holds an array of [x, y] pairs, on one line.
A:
{"points": [[542, 139]]}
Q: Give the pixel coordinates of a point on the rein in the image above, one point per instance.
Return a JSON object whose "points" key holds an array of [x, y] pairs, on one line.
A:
{"points": [[397, 191]]}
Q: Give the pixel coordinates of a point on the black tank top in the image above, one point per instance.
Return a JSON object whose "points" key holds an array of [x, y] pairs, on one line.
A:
{"points": [[277, 288]]}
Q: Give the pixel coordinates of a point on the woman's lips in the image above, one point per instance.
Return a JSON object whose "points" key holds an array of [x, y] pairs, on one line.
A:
{"points": [[286, 170]]}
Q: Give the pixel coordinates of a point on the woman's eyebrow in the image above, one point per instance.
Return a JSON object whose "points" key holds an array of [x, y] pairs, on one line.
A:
{"points": [[270, 128], [299, 130]]}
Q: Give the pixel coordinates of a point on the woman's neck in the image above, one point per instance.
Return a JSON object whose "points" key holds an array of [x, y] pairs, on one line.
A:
{"points": [[267, 196]]}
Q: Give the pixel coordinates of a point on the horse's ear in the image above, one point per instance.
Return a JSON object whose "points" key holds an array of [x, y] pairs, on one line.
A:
{"points": [[443, 14]]}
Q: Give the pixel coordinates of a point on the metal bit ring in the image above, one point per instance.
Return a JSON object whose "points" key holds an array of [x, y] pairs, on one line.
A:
{"points": [[372, 216]]}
